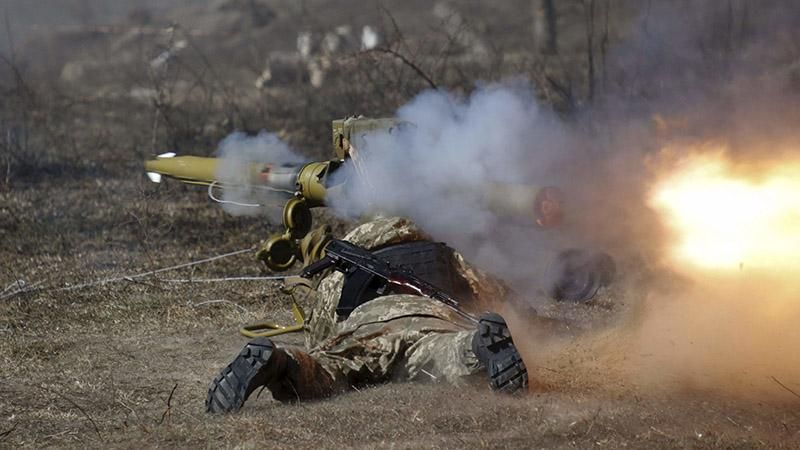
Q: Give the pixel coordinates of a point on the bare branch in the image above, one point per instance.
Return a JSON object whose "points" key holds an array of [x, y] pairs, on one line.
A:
{"points": [[407, 62], [785, 387], [168, 411]]}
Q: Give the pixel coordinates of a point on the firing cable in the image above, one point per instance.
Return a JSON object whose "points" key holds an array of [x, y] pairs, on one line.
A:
{"points": [[23, 287], [228, 202], [213, 197]]}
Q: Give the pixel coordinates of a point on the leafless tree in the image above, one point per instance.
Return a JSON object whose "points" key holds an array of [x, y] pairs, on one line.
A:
{"points": [[545, 26]]}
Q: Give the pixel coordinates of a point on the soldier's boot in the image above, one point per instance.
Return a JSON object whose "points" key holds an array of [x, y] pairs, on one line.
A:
{"points": [[289, 375], [493, 346]]}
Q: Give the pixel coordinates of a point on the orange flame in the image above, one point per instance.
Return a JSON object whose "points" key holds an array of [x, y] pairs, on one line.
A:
{"points": [[724, 218]]}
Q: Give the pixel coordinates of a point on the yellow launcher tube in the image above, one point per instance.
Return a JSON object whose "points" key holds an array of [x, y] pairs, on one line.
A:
{"points": [[201, 170], [190, 169], [306, 179], [542, 204]]}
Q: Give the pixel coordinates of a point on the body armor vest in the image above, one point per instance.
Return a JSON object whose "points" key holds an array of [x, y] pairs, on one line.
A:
{"points": [[434, 262]]}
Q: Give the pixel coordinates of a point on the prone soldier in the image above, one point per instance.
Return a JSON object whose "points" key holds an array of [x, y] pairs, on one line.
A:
{"points": [[359, 331], [388, 336]]}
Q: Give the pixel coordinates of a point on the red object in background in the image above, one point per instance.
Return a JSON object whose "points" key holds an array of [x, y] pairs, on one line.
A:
{"points": [[547, 207]]}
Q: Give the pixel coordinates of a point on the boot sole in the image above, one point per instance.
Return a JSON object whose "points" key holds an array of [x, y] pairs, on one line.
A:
{"points": [[495, 348], [240, 378]]}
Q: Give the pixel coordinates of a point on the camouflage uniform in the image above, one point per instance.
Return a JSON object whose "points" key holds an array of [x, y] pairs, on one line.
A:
{"points": [[397, 337], [392, 337]]}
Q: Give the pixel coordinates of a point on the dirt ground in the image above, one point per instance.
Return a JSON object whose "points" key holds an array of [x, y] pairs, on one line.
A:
{"points": [[127, 363]]}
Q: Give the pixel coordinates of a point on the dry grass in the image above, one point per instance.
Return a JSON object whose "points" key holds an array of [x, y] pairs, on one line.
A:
{"points": [[127, 364]]}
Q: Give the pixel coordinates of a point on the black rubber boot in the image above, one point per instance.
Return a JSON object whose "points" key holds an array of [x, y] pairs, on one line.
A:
{"points": [[494, 347], [258, 364]]}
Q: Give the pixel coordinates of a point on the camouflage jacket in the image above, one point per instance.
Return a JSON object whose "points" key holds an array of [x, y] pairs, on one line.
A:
{"points": [[321, 321]]}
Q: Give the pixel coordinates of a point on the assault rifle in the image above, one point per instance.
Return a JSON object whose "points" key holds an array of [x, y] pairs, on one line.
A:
{"points": [[348, 258]]}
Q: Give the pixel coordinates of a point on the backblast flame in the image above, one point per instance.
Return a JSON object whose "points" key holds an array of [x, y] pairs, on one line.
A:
{"points": [[724, 219]]}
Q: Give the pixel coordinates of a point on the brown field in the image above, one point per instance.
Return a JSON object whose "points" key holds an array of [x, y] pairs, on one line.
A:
{"points": [[127, 363]]}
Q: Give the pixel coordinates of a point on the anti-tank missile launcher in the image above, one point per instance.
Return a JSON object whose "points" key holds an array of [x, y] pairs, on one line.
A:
{"points": [[308, 185]]}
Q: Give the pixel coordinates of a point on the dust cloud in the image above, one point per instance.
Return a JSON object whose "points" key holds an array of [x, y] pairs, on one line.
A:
{"points": [[727, 75], [722, 85]]}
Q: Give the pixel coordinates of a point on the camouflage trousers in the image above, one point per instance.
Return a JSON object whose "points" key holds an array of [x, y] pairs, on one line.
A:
{"points": [[393, 337], [398, 338]]}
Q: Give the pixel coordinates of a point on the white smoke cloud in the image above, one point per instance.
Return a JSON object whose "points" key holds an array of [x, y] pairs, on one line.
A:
{"points": [[237, 153], [439, 170], [463, 168]]}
